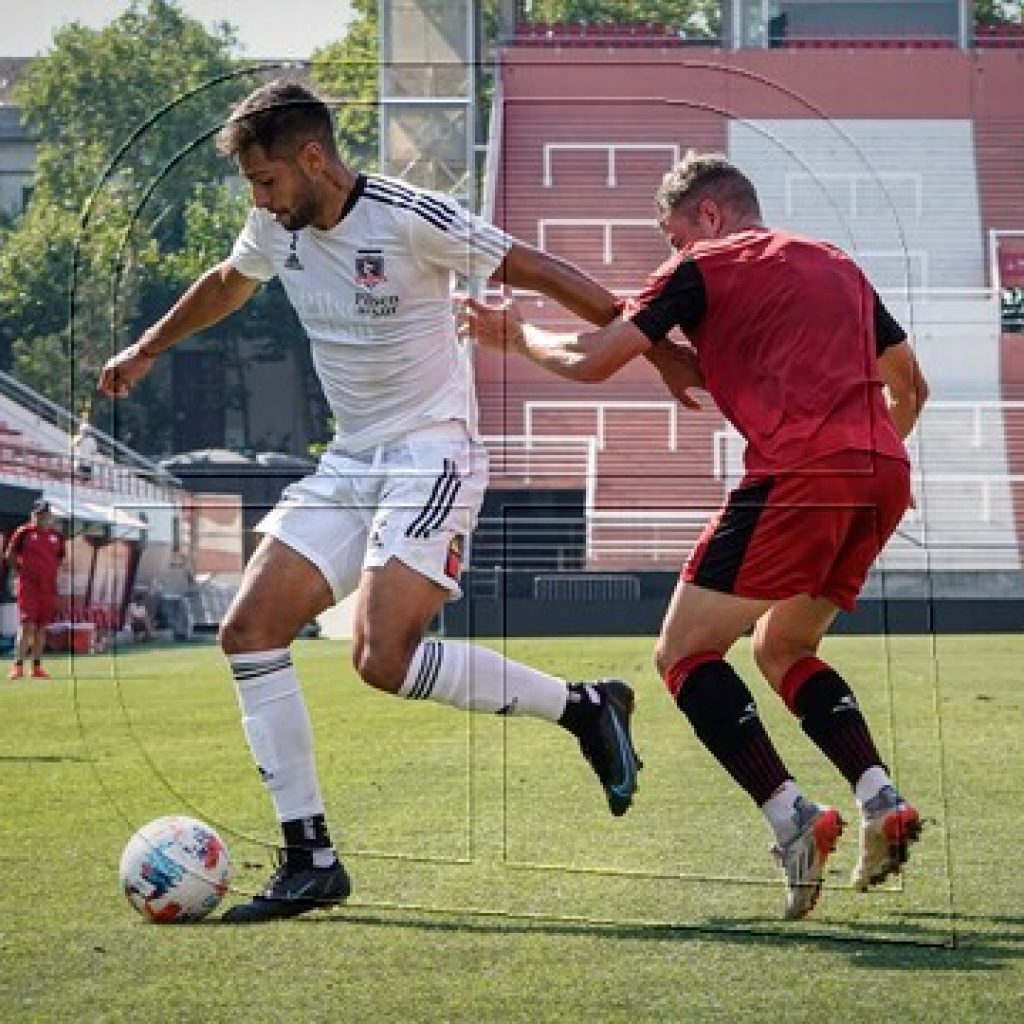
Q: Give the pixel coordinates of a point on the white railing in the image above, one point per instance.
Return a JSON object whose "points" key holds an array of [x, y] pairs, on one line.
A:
{"points": [[727, 443], [944, 518], [524, 459], [989, 487], [611, 149], [600, 410], [852, 181], [606, 224], [651, 535], [106, 480], [976, 411]]}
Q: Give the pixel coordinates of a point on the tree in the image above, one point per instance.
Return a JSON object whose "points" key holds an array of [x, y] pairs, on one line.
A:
{"points": [[700, 18], [996, 12], [346, 71], [130, 203], [95, 87], [118, 157]]}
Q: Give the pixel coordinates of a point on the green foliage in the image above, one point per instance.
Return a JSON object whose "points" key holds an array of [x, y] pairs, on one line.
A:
{"points": [[994, 12], [695, 17], [94, 88], [346, 72], [130, 205]]}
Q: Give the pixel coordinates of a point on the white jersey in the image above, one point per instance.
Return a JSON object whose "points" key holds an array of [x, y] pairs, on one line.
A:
{"points": [[374, 296]]}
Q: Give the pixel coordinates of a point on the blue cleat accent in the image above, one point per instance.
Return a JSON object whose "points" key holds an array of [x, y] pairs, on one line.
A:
{"points": [[608, 745], [293, 891]]}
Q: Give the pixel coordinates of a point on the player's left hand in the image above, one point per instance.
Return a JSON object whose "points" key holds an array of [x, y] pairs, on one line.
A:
{"points": [[492, 326], [123, 371]]}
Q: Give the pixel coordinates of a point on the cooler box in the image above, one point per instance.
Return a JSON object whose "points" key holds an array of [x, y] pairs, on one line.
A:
{"points": [[70, 636]]}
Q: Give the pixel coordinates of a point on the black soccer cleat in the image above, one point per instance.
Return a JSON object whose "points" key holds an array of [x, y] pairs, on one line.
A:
{"points": [[293, 891], [608, 746]]}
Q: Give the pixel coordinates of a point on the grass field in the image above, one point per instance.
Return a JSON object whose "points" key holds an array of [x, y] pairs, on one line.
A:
{"points": [[491, 884]]}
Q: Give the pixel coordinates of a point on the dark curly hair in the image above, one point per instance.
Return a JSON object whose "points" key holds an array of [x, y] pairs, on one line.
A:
{"points": [[278, 117]]}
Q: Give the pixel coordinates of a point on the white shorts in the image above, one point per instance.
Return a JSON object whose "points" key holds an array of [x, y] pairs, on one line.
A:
{"points": [[416, 499]]}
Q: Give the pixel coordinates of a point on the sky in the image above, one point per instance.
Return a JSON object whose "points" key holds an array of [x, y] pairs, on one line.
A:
{"points": [[290, 29]]}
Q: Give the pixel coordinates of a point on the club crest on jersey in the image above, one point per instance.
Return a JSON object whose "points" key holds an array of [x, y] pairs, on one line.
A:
{"points": [[370, 268], [293, 262], [453, 558]]}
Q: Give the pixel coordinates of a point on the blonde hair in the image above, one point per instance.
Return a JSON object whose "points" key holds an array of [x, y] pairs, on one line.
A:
{"points": [[707, 174]]}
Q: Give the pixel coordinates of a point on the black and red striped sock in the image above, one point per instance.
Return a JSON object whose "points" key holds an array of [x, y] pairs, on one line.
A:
{"points": [[724, 716], [829, 714]]}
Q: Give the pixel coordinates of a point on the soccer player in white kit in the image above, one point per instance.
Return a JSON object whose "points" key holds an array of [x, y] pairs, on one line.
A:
{"points": [[367, 262]]}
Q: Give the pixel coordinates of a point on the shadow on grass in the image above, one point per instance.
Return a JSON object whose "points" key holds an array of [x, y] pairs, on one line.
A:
{"points": [[42, 758], [903, 945]]}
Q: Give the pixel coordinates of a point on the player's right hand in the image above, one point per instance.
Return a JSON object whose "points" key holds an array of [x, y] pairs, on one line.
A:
{"points": [[122, 372], [498, 326]]}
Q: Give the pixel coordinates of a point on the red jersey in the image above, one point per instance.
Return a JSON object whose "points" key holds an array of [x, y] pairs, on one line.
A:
{"points": [[38, 553], [787, 333]]}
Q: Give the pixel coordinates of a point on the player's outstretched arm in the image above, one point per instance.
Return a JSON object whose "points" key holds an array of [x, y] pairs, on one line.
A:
{"points": [[591, 356], [537, 271], [906, 387], [219, 292]]}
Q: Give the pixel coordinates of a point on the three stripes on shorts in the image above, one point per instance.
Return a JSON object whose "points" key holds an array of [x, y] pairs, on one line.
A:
{"points": [[439, 504]]}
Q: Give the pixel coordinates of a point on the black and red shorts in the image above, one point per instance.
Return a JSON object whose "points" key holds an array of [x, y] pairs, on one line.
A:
{"points": [[816, 531]]}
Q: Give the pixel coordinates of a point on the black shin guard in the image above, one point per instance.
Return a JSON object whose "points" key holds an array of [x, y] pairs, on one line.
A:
{"points": [[724, 717], [829, 714]]}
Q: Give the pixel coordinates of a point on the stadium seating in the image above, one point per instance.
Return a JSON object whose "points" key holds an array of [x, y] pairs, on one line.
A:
{"points": [[1005, 36], [912, 195], [868, 43], [583, 35]]}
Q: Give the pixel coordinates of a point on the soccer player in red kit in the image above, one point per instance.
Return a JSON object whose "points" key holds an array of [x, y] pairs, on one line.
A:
{"points": [[35, 551], [801, 356]]}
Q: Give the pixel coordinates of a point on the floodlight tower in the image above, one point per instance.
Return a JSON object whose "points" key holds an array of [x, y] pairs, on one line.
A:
{"points": [[428, 60]]}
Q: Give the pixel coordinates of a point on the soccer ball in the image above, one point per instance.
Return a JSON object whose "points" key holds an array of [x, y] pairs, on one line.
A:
{"points": [[175, 869]]}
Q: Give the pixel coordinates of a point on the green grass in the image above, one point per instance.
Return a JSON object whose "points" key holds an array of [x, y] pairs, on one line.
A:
{"points": [[491, 884]]}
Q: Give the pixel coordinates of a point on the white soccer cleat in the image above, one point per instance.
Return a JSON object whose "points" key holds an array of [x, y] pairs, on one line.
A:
{"points": [[888, 826], [803, 857]]}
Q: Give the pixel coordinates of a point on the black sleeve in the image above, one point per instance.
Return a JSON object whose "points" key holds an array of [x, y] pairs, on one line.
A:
{"points": [[887, 331], [677, 298]]}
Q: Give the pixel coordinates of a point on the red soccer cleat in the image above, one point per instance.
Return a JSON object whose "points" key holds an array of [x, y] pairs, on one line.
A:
{"points": [[38, 672], [16, 672], [888, 828], [803, 857]]}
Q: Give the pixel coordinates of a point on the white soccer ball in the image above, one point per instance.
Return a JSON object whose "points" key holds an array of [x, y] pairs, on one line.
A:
{"points": [[175, 869]]}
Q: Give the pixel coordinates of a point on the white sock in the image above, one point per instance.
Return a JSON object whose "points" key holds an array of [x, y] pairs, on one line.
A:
{"points": [[870, 784], [478, 679], [276, 725], [780, 810]]}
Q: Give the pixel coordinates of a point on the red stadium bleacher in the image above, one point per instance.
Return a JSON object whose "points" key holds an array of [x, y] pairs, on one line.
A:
{"points": [[584, 144], [581, 35], [868, 43], [1005, 35]]}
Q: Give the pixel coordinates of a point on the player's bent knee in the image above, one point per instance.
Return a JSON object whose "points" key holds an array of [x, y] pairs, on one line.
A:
{"points": [[774, 659], [240, 633], [663, 658], [380, 671]]}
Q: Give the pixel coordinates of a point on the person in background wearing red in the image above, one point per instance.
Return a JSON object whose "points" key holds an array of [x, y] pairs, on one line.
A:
{"points": [[35, 552]]}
